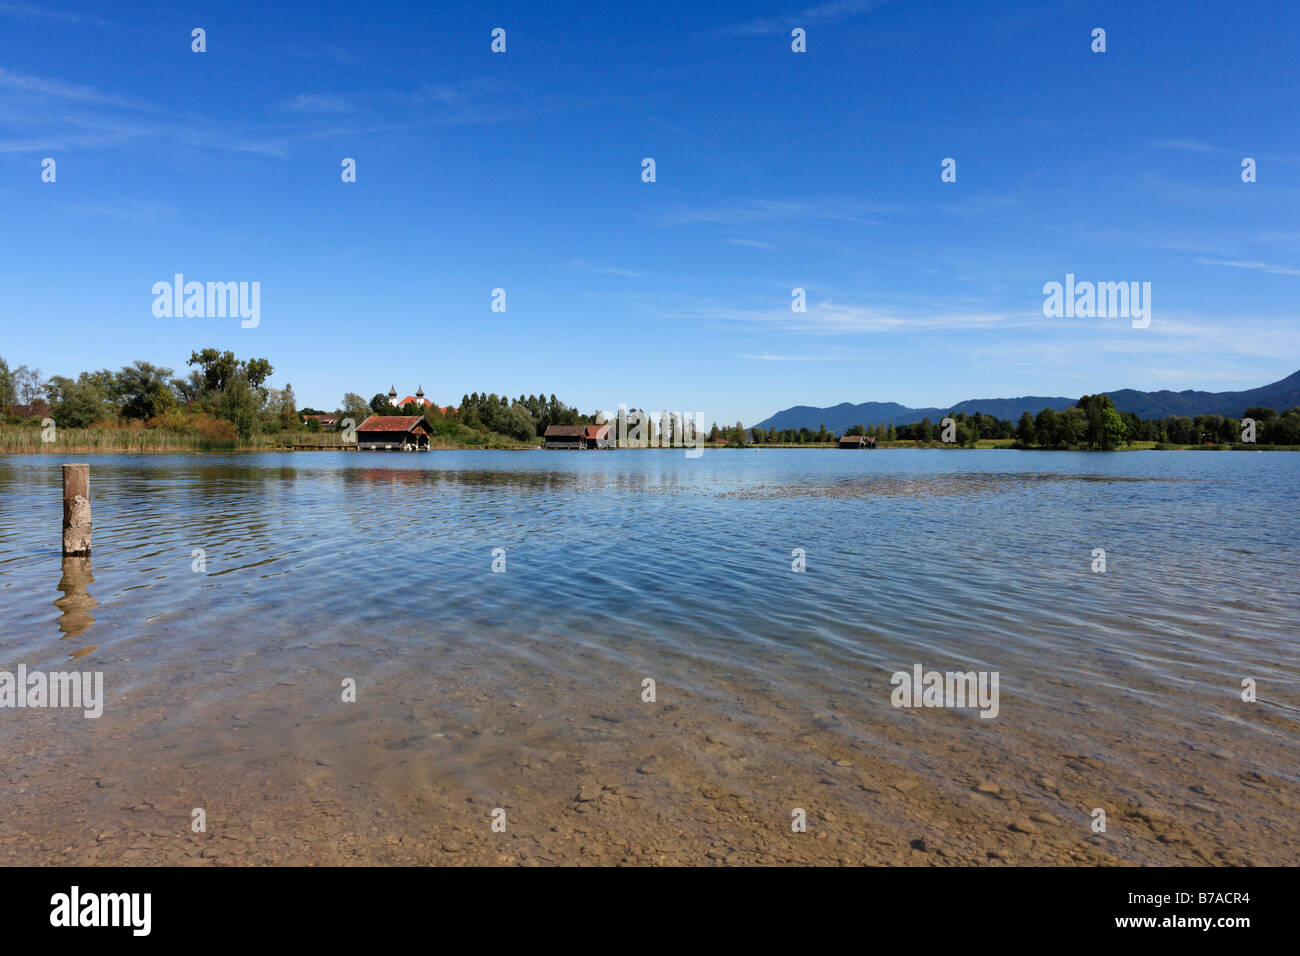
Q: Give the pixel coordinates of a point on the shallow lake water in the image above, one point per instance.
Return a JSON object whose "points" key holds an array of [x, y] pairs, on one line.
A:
{"points": [[229, 597]]}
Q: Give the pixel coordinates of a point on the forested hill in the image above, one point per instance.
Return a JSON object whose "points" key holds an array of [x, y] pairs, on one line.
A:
{"points": [[1146, 405]]}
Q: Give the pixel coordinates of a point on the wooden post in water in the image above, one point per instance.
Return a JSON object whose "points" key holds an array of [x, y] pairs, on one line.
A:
{"points": [[76, 510]]}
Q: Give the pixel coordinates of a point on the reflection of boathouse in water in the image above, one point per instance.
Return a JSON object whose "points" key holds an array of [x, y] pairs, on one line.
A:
{"points": [[394, 433]]}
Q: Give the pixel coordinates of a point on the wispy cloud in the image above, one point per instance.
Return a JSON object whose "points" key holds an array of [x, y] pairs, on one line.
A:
{"points": [[796, 358], [1185, 145], [1187, 351], [581, 265], [27, 11], [315, 103], [832, 11], [333, 54], [1258, 266], [1209, 338], [38, 113], [832, 318], [130, 212], [433, 94], [984, 202], [741, 211], [751, 244], [34, 86]]}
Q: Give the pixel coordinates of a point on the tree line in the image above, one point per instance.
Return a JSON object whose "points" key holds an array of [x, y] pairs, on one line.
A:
{"points": [[524, 418], [223, 397], [1093, 423]]}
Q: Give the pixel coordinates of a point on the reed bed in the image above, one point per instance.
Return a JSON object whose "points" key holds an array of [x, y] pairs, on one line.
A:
{"points": [[19, 439]]}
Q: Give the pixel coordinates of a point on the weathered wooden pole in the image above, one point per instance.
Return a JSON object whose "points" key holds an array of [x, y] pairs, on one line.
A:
{"points": [[76, 510]]}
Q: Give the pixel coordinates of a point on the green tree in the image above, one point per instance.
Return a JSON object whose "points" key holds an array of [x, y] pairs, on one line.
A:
{"points": [[1047, 428], [76, 404], [288, 410], [231, 389], [1134, 427], [518, 423], [355, 407], [1073, 426], [1104, 428], [1182, 430], [142, 390], [1025, 429], [1282, 429], [8, 395]]}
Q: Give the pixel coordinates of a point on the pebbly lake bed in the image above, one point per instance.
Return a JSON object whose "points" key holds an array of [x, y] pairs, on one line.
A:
{"points": [[499, 615]]}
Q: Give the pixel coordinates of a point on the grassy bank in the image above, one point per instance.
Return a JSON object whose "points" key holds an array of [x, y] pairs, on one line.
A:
{"points": [[25, 439], [18, 439]]}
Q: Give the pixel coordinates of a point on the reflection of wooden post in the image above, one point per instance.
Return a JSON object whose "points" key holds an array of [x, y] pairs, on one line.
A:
{"points": [[76, 603], [76, 510]]}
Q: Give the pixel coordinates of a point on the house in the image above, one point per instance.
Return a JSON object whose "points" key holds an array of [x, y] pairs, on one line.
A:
{"points": [[418, 399], [327, 422], [394, 433], [857, 441], [578, 436]]}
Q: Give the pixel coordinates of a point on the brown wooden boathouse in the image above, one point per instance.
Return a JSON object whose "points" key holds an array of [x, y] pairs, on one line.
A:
{"points": [[857, 441], [578, 436], [394, 433]]}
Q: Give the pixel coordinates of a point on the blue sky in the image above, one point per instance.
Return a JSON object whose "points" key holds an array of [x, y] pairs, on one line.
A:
{"points": [[775, 170]]}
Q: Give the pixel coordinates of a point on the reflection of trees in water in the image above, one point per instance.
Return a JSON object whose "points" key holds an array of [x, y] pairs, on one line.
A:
{"points": [[544, 480], [76, 603], [914, 486], [218, 480], [522, 480]]}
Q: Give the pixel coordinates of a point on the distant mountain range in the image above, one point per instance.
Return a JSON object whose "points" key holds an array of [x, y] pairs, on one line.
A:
{"points": [[838, 418]]}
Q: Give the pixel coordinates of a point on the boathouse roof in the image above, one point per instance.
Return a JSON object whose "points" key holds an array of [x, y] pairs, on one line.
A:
{"points": [[392, 423], [568, 431]]}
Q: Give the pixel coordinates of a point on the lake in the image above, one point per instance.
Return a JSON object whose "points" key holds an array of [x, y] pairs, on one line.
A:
{"points": [[230, 598]]}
